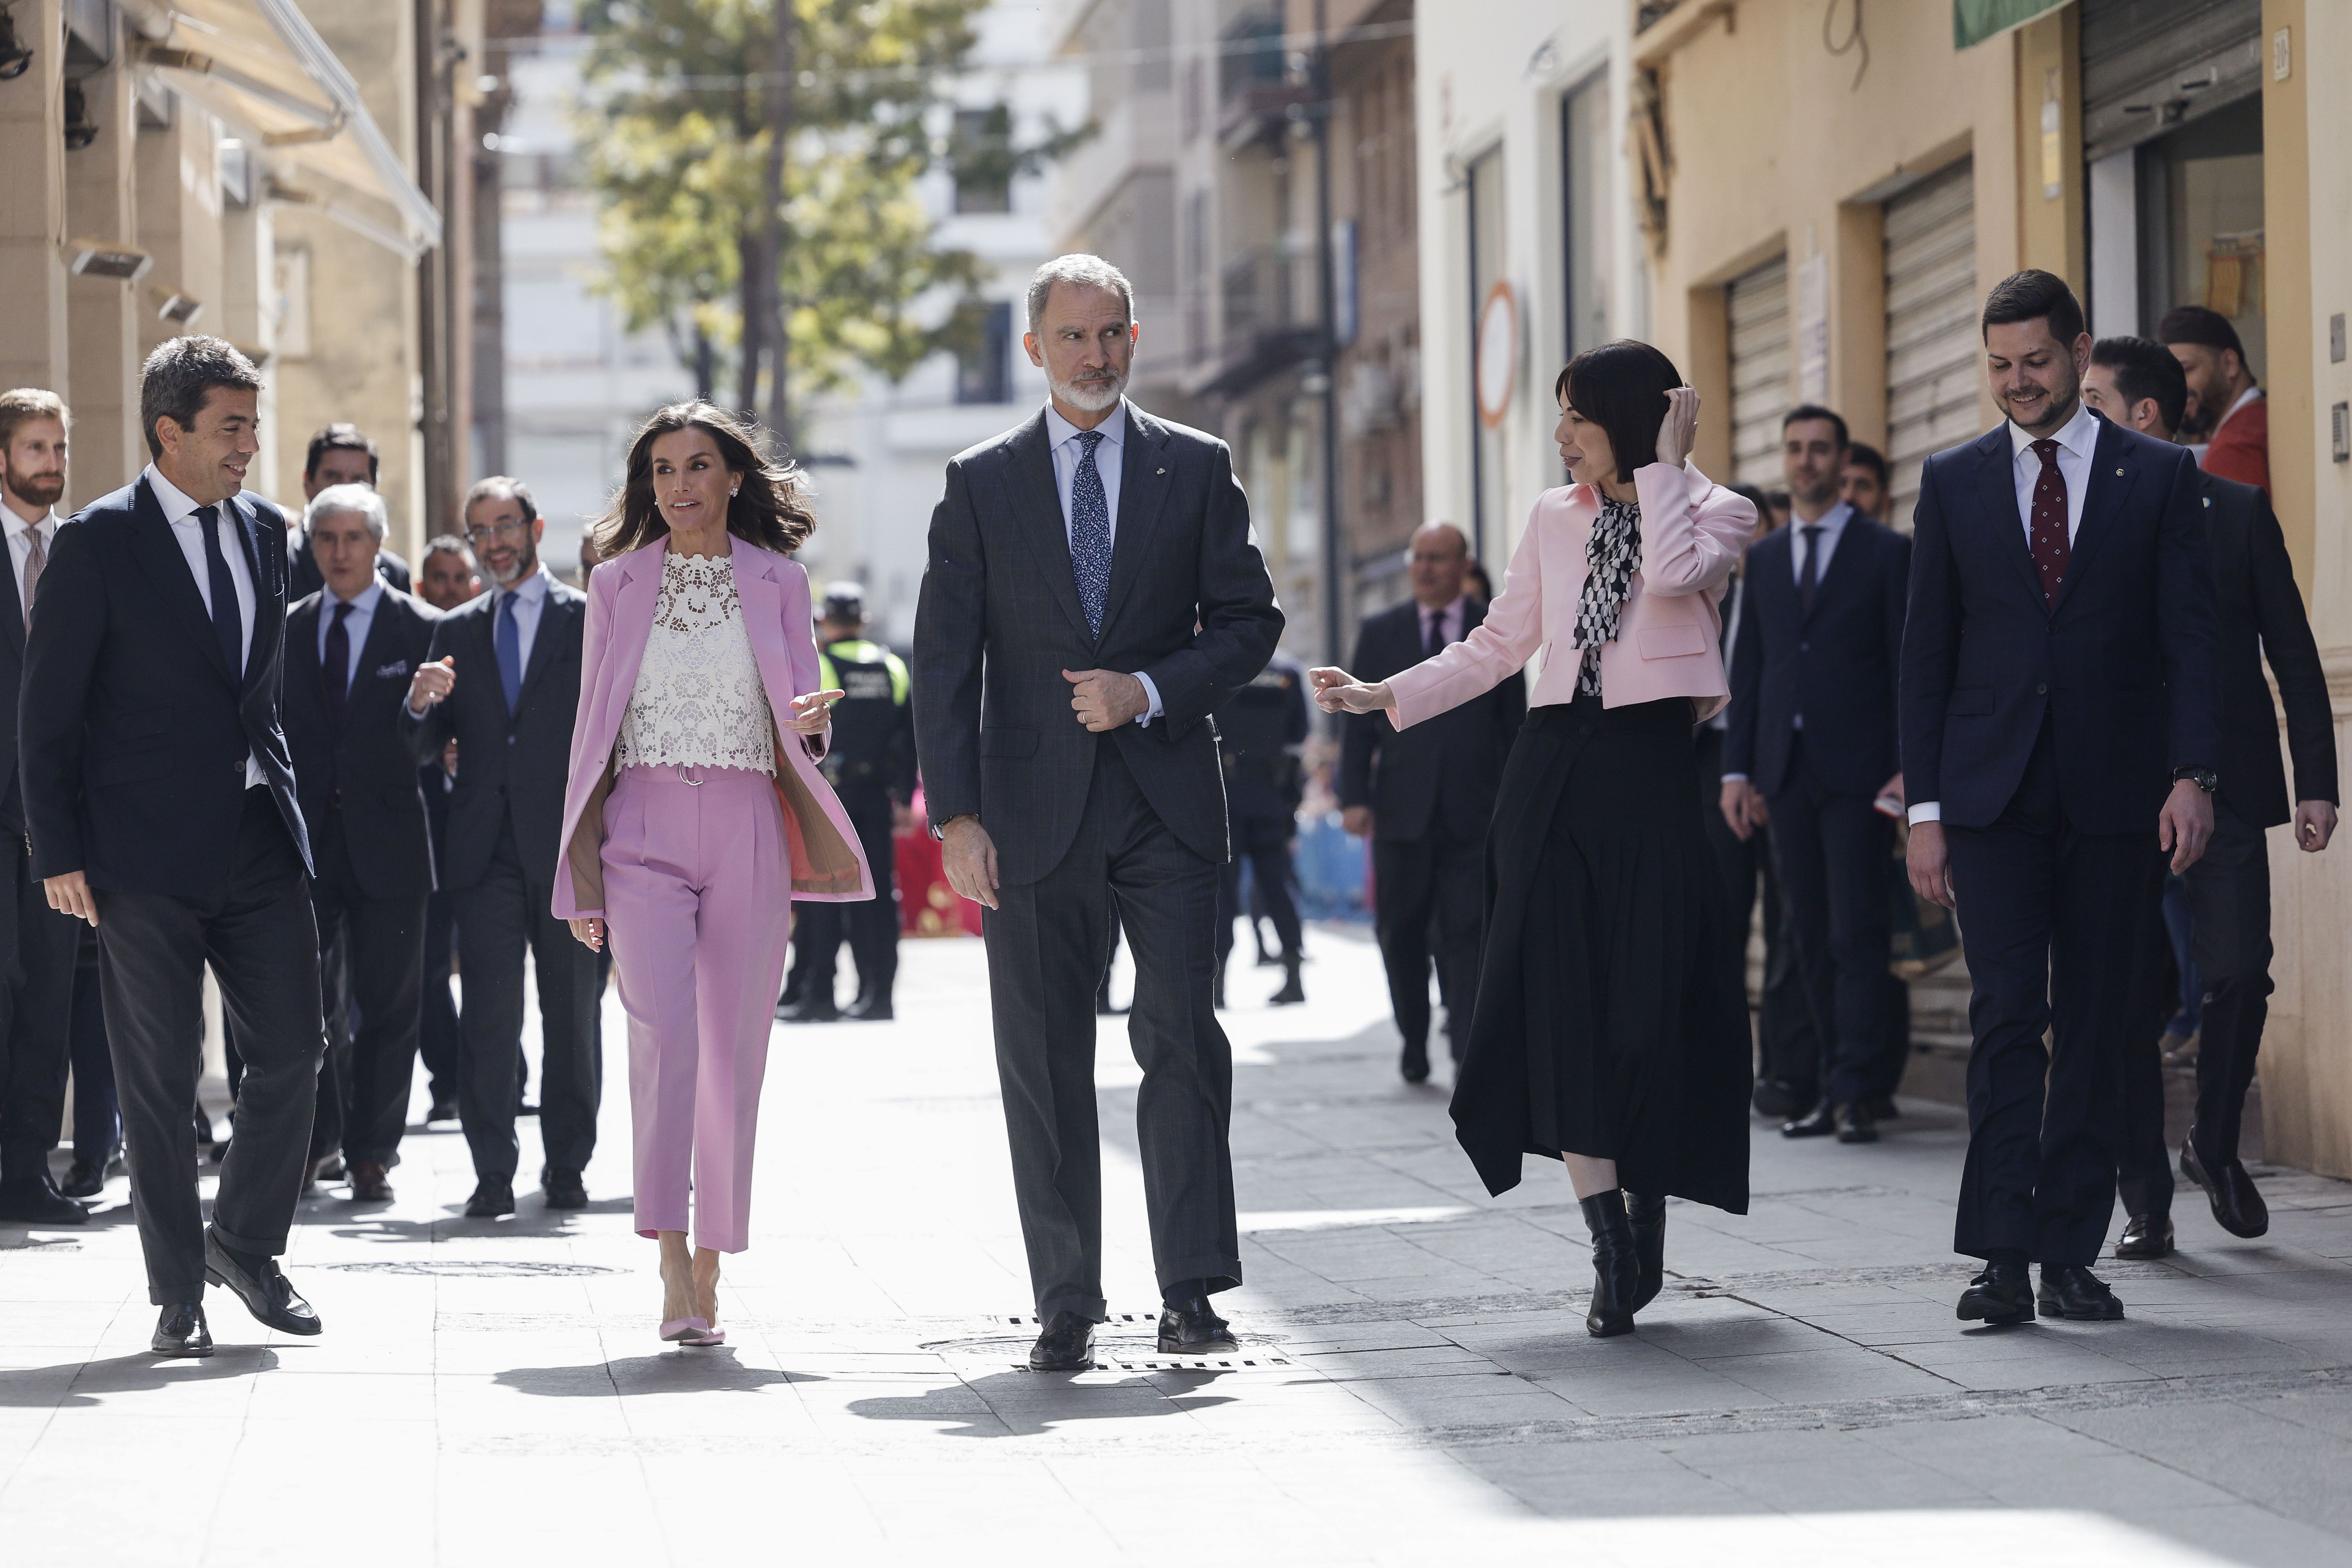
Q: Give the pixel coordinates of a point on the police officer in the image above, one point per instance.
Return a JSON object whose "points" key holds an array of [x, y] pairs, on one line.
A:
{"points": [[1259, 732], [871, 766]]}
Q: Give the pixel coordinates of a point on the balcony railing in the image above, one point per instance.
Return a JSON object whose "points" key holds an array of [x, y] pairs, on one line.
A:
{"points": [[1269, 320]]}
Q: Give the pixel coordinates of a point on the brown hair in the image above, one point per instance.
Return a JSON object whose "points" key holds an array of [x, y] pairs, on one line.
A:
{"points": [[771, 506], [20, 406]]}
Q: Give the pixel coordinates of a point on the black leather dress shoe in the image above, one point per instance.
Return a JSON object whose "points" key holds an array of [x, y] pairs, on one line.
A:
{"points": [[869, 1010], [564, 1189], [35, 1200], [2002, 1295], [84, 1181], [2146, 1236], [263, 1290], [1067, 1345], [181, 1330], [1414, 1064], [808, 1010], [1292, 990], [443, 1108], [2237, 1206], [1819, 1122], [1778, 1099], [2072, 1291], [1856, 1125], [492, 1197], [1882, 1107], [1191, 1327]]}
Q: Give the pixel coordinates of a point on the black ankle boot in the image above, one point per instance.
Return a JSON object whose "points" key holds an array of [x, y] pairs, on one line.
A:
{"points": [[1615, 1271], [1647, 1216]]}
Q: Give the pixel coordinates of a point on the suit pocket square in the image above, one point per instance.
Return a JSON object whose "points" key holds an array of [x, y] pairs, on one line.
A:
{"points": [[397, 668], [1672, 642]]}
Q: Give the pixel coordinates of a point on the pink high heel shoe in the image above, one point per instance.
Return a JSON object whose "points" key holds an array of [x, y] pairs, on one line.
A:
{"points": [[691, 1332]]}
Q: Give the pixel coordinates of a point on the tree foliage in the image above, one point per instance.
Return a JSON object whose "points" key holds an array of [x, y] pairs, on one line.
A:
{"points": [[676, 136]]}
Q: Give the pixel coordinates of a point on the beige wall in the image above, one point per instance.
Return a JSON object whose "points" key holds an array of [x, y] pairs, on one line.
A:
{"points": [[34, 344], [2306, 1060], [107, 449]]}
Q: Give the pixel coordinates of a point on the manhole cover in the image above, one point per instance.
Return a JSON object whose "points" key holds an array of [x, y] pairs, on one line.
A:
{"points": [[462, 1268]]}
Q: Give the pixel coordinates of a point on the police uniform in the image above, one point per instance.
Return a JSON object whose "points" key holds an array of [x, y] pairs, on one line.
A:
{"points": [[870, 765], [1259, 732]]}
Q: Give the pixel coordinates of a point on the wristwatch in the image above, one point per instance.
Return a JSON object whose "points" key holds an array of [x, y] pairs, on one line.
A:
{"points": [[2205, 779]]}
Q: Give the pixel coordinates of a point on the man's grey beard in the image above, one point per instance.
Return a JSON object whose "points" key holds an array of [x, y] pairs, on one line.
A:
{"points": [[1093, 399], [525, 565]]}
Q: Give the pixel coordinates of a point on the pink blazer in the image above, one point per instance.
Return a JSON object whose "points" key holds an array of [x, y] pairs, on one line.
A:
{"points": [[828, 866], [1669, 633]]}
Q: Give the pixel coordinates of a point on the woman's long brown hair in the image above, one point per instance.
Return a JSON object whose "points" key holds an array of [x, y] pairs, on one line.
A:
{"points": [[771, 506]]}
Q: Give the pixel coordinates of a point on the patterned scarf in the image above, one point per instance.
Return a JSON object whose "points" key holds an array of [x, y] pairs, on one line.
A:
{"points": [[1610, 557]]}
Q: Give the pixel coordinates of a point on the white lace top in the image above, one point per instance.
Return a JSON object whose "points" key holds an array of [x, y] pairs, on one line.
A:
{"points": [[698, 701]]}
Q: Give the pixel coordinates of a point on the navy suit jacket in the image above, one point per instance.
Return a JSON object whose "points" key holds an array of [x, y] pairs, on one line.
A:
{"points": [[132, 730], [1397, 773], [1835, 666], [2125, 665], [363, 774]]}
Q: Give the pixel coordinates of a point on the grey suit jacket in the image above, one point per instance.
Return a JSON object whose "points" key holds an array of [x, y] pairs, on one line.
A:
{"points": [[1189, 605]]}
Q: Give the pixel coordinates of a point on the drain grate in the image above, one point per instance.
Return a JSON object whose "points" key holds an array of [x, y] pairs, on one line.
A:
{"points": [[1127, 1342], [474, 1269]]}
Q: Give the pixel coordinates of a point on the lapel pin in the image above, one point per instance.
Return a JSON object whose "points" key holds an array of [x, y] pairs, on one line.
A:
{"points": [[1159, 470], [2119, 473]]}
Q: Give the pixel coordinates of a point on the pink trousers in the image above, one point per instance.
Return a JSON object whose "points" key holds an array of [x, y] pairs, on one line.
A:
{"points": [[697, 900]]}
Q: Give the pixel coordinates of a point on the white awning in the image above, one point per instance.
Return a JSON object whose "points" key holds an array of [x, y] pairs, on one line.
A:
{"points": [[263, 69]]}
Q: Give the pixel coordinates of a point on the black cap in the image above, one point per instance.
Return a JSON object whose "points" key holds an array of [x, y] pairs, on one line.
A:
{"points": [[844, 602]]}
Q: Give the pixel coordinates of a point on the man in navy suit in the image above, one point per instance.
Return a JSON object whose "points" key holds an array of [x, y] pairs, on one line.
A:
{"points": [[1812, 733], [162, 812], [2062, 722]]}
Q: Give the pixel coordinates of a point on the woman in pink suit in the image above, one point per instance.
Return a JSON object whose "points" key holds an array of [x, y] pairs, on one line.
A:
{"points": [[696, 814], [1596, 1038]]}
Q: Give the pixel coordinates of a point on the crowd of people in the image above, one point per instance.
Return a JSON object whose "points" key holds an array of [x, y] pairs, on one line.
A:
{"points": [[2046, 702]]}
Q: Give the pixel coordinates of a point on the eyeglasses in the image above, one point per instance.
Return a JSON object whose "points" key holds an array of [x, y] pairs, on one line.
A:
{"points": [[517, 529]]}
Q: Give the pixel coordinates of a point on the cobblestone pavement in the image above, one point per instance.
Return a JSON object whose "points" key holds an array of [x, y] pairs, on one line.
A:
{"points": [[1416, 1384]]}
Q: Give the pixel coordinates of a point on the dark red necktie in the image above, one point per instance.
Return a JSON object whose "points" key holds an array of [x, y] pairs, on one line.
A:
{"points": [[2047, 529]]}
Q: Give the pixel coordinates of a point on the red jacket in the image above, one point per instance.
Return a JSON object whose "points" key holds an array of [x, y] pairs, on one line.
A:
{"points": [[2241, 448]]}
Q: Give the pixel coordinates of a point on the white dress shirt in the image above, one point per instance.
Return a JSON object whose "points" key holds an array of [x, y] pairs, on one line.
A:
{"points": [[1449, 622], [20, 543], [355, 625], [1062, 440], [529, 595], [181, 514], [1831, 524], [2076, 439]]}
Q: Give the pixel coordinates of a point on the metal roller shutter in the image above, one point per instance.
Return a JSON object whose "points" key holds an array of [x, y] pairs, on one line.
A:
{"points": [[2149, 66], [1759, 303], [1933, 359]]}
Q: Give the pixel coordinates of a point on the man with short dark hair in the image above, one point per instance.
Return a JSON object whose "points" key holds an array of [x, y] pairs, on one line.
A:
{"points": [[502, 679], [162, 812], [1812, 732], [38, 944], [1862, 482], [339, 454], [352, 648], [2140, 387], [1423, 796], [2059, 666], [446, 579], [2229, 420]]}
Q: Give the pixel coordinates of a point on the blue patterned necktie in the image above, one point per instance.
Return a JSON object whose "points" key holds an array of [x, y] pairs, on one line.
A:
{"points": [[1090, 533], [510, 648]]}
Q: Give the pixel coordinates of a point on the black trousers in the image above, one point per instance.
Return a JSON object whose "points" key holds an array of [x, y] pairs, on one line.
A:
{"points": [[97, 1115], [36, 974], [258, 934], [2039, 900], [437, 1042], [1787, 1049], [375, 989], [2229, 903], [1264, 843], [1047, 944], [1833, 854], [499, 918], [1430, 901], [2143, 1160], [872, 926]]}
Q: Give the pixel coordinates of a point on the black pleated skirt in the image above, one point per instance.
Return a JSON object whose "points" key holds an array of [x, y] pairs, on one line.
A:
{"points": [[1597, 1030]]}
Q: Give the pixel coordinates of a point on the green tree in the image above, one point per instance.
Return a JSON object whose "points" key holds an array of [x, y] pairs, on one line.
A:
{"points": [[756, 161]]}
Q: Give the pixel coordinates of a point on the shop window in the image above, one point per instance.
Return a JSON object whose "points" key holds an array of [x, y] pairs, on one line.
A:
{"points": [[2200, 223], [984, 365], [1584, 159]]}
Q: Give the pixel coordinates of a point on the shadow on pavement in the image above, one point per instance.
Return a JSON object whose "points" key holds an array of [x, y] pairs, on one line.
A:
{"points": [[89, 1383], [708, 1371], [1024, 1404]]}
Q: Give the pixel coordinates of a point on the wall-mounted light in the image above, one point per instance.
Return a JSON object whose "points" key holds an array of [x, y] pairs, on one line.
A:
{"points": [[16, 59], [80, 129], [106, 259], [180, 310]]}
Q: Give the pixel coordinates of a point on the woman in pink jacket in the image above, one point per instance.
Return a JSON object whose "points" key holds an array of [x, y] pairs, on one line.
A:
{"points": [[1596, 1037], [696, 814]]}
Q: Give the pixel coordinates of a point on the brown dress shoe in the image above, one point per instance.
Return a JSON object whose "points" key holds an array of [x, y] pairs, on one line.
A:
{"points": [[2146, 1236], [368, 1185]]}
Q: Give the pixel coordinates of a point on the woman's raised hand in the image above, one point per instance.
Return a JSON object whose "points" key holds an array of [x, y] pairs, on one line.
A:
{"points": [[812, 712], [1680, 427], [1337, 691]]}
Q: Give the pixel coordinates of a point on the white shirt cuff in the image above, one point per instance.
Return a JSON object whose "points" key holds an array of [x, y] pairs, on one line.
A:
{"points": [[1151, 695], [1734, 778], [1926, 811]]}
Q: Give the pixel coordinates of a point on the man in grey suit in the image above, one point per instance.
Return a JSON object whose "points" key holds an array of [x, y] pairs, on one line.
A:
{"points": [[1099, 562]]}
